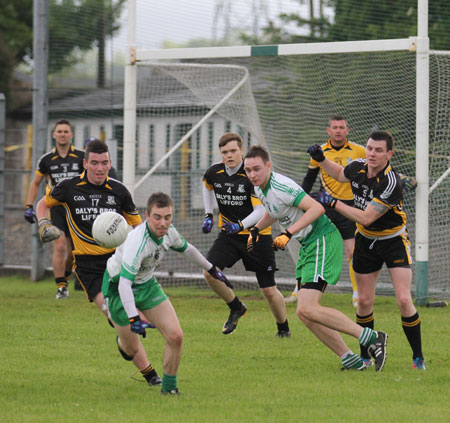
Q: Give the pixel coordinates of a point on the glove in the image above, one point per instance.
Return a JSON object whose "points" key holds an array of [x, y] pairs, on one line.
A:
{"points": [[30, 215], [217, 274], [233, 228], [253, 239], [326, 199], [408, 182], [138, 326], [207, 223], [281, 240], [315, 151], [48, 232]]}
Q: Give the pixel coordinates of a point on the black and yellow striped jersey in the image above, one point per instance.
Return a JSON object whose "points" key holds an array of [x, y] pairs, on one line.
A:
{"points": [[56, 168], [384, 188], [343, 156], [84, 201], [235, 194]]}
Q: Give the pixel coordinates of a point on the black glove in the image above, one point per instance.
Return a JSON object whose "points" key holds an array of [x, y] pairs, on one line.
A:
{"points": [[253, 238], [316, 152], [30, 215], [138, 326], [217, 274], [232, 228], [326, 199], [207, 223]]}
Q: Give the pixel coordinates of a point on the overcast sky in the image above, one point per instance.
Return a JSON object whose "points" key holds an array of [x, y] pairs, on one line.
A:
{"points": [[183, 20]]}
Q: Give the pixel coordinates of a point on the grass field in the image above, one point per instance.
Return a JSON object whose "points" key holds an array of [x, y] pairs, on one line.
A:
{"points": [[59, 363]]}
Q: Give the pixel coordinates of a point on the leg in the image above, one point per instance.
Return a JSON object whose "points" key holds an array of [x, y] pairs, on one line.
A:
{"points": [[130, 343], [219, 288], [349, 246], [59, 256], [276, 303]]}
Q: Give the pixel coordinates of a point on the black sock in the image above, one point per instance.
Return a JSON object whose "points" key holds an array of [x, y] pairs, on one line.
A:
{"points": [[411, 327], [366, 322], [67, 274], [61, 282], [149, 372], [235, 304], [283, 327]]}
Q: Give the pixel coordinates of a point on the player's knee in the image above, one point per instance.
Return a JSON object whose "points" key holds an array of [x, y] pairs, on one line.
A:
{"points": [[365, 301], [304, 312], [404, 301], [175, 338], [270, 292], [127, 353]]}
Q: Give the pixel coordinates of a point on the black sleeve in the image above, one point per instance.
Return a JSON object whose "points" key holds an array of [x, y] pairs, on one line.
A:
{"points": [[309, 179]]}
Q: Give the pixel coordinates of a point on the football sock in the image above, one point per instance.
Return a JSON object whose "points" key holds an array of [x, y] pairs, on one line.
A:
{"points": [[283, 327], [235, 304], [148, 373], [411, 327], [367, 337], [169, 383], [366, 322], [351, 360], [61, 282], [67, 274]]}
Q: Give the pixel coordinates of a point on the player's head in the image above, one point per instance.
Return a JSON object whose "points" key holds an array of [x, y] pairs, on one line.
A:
{"points": [[62, 132], [97, 162], [231, 149], [337, 130], [379, 149], [88, 140], [159, 213], [257, 165]]}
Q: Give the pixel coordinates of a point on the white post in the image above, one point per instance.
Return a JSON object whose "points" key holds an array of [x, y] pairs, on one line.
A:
{"points": [[422, 152], [129, 114]]}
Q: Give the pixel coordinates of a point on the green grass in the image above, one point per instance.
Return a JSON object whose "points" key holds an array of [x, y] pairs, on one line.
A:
{"points": [[59, 362]]}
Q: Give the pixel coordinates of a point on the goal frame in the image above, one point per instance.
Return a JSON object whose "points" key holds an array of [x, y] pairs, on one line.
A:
{"points": [[418, 44]]}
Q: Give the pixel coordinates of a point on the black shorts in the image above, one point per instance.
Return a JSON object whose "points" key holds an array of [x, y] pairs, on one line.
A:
{"points": [[369, 254], [320, 285], [228, 249], [89, 272], [346, 227], [58, 218]]}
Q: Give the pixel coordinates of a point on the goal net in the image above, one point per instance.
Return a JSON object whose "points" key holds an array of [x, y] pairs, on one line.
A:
{"points": [[284, 103]]}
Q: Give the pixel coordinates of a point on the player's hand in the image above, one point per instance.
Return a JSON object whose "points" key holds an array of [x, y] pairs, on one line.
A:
{"points": [[207, 223], [281, 240], [138, 326], [316, 152], [48, 232], [326, 199], [253, 238], [408, 182], [232, 228], [30, 215], [217, 274]]}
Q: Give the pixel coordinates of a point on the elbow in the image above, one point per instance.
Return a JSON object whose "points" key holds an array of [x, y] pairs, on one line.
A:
{"points": [[366, 220]]}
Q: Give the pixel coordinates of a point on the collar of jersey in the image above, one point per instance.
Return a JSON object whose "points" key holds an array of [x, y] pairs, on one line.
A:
{"points": [[346, 145], [157, 240], [382, 172], [55, 150], [83, 177], [266, 188]]}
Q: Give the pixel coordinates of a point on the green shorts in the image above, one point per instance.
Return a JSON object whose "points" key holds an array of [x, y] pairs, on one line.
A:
{"points": [[146, 296], [321, 258]]}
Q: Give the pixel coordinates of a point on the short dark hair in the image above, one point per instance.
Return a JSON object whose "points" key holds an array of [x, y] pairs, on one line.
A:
{"points": [[62, 122], [337, 117], [96, 146], [160, 200], [228, 137], [383, 136], [257, 151], [88, 140]]}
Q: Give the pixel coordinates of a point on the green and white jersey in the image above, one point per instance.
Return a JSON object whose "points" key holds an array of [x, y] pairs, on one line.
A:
{"points": [[140, 255], [281, 197]]}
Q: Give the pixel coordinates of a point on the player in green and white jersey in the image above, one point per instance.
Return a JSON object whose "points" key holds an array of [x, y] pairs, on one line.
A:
{"points": [[129, 284], [320, 258]]}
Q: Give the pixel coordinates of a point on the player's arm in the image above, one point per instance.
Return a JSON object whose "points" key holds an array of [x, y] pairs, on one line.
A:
{"points": [[34, 188], [366, 217], [208, 202], [47, 232], [265, 221], [312, 211], [335, 170], [194, 256], [309, 179]]}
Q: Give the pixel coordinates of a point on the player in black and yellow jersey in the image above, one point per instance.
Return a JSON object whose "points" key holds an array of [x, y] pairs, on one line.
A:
{"points": [[84, 198], [239, 209], [64, 161], [381, 232], [342, 151]]}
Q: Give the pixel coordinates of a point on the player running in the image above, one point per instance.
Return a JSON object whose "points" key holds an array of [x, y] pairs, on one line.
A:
{"points": [[382, 236], [320, 258], [239, 209], [129, 283], [64, 161]]}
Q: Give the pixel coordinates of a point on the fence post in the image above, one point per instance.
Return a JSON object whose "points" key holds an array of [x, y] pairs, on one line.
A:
{"points": [[2, 176]]}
